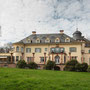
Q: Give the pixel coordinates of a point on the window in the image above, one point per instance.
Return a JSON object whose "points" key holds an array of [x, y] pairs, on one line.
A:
{"points": [[67, 40], [20, 57], [57, 40], [64, 59], [29, 59], [88, 51], [42, 59], [17, 49], [28, 50], [17, 58], [22, 49], [57, 59], [47, 40], [73, 49], [38, 50], [89, 61], [46, 49], [38, 40]]}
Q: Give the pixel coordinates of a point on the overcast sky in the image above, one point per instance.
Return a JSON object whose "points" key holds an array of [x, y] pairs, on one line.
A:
{"points": [[18, 18]]}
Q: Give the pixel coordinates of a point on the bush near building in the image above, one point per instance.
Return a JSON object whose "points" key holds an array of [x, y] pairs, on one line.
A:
{"points": [[70, 65], [50, 65], [78, 67], [88, 70], [21, 64], [57, 68], [32, 65], [84, 67], [74, 65]]}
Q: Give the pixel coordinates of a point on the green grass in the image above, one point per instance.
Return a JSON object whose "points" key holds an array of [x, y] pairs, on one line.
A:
{"points": [[25, 79]]}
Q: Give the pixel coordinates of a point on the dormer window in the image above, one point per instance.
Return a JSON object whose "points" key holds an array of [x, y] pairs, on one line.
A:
{"points": [[38, 40], [57, 40], [47, 40], [28, 41], [67, 40]]}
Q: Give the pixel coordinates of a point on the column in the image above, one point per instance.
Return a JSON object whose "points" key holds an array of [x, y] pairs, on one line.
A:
{"points": [[61, 58], [33, 56], [22, 56], [69, 55], [11, 57], [82, 57], [52, 56], [44, 58], [65, 58]]}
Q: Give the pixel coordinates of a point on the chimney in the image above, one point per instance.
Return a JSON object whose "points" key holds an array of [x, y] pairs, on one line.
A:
{"points": [[61, 31], [33, 32]]}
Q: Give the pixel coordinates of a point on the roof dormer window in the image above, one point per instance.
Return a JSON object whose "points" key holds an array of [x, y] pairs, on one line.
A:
{"points": [[67, 40], [38, 40], [47, 40], [57, 40], [28, 40]]}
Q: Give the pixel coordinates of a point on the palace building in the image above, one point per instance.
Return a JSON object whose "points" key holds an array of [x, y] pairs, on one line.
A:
{"points": [[57, 47]]}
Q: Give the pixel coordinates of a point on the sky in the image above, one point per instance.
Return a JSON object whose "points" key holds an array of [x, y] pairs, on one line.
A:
{"points": [[18, 18]]}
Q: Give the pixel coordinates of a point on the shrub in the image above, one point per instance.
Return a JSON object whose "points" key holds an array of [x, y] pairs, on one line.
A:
{"points": [[88, 69], [32, 65], [50, 65], [21, 64], [78, 67], [57, 68], [70, 65], [84, 67]]}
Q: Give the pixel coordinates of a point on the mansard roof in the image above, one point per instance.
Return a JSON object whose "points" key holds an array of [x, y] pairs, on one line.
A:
{"points": [[43, 37]]}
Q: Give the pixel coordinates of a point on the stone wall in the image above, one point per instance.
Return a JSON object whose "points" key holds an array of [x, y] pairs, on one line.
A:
{"points": [[8, 65]]}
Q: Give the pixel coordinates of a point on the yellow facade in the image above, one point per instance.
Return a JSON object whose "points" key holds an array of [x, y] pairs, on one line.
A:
{"points": [[78, 53], [81, 51]]}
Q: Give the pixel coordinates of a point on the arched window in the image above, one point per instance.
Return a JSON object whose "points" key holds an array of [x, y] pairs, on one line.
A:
{"points": [[57, 59], [67, 40], [38, 40], [17, 49], [47, 40], [57, 40]]}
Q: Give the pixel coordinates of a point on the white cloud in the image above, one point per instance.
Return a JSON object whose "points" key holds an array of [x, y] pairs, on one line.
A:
{"points": [[19, 18]]}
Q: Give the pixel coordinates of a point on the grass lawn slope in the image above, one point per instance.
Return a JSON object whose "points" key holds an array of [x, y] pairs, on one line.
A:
{"points": [[26, 79]]}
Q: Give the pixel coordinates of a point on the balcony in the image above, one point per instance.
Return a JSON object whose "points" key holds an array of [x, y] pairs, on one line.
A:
{"points": [[57, 50]]}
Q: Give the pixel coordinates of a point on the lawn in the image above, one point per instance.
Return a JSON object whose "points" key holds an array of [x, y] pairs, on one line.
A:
{"points": [[26, 79]]}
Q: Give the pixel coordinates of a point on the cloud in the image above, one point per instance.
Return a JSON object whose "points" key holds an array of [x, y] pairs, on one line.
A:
{"points": [[19, 18]]}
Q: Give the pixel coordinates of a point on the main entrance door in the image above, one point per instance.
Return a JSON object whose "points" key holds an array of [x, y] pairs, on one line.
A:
{"points": [[57, 59]]}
